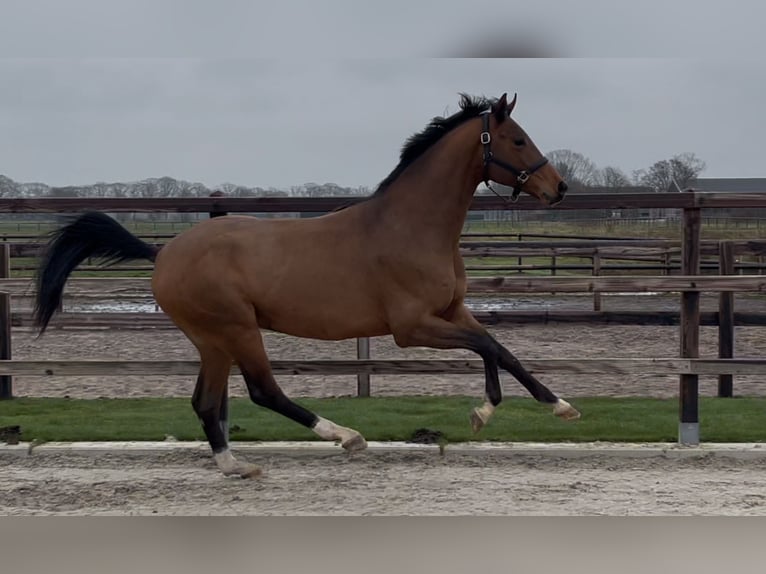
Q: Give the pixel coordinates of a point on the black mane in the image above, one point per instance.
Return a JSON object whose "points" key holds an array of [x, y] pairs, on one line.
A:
{"points": [[418, 143]]}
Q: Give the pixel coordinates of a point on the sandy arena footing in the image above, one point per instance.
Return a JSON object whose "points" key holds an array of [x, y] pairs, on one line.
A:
{"points": [[387, 479]]}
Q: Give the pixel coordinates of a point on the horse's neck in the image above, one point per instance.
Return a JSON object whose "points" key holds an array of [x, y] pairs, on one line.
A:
{"points": [[430, 199]]}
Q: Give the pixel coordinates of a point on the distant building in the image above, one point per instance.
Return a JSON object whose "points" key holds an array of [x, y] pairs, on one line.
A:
{"points": [[643, 213], [575, 214], [702, 184], [730, 185]]}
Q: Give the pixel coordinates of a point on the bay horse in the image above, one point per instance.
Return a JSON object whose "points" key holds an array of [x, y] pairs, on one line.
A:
{"points": [[387, 265]]}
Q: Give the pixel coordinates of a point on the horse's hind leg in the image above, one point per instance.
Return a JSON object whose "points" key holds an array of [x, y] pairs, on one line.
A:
{"points": [[209, 402], [264, 391], [223, 412]]}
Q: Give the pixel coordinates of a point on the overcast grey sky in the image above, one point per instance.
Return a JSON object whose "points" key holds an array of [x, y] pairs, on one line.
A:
{"points": [[282, 122], [96, 90]]}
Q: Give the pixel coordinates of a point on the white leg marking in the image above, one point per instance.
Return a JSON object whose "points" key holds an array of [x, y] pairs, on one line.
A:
{"points": [[328, 430], [226, 461], [481, 415], [485, 411], [564, 410], [349, 438], [229, 465]]}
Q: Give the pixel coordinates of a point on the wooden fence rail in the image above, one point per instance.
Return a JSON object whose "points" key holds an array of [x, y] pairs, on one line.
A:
{"points": [[594, 255], [112, 286], [573, 366], [543, 248], [158, 320], [575, 201]]}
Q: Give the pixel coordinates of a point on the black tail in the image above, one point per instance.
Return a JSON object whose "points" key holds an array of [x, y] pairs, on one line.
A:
{"points": [[92, 234]]}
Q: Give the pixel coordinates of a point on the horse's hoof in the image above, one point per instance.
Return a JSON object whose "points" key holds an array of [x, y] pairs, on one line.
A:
{"points": [[355, 443], [565, 411], [251, 472], [477, 422]]}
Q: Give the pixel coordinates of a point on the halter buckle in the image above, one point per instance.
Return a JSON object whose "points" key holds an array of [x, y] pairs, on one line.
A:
{"points": [[522, 177], [485, 138]]}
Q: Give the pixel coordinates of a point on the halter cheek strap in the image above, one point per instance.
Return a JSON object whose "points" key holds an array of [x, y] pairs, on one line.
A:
{"points": [[522, 175]]}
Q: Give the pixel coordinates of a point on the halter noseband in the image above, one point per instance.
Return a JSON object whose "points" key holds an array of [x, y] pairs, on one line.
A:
{"points": [[522, 175]]}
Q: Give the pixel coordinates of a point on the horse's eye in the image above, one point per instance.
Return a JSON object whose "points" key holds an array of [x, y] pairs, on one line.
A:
{"points": [[519, 142]]}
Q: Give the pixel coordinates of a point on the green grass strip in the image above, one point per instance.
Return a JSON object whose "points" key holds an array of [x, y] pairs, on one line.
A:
{"points": [[383, 419]]}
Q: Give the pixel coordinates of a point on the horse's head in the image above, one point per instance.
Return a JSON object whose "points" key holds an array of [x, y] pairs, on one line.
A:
{"points": [[511, 158]]}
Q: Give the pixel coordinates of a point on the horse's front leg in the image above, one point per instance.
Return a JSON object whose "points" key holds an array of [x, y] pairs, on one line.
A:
{"points": [[440, 333], [506, 360], [462, 331]]}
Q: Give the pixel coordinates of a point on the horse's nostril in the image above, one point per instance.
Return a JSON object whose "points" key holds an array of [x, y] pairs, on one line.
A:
{"points": [[563, 187]]}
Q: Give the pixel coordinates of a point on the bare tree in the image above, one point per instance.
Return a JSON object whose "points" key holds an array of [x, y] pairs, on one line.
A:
{"points": [[228, 189], [574, 167], [612, 177], [67, 191], [100, 189], [312, 189], [165, 187], [666, 174], [8, 187]]}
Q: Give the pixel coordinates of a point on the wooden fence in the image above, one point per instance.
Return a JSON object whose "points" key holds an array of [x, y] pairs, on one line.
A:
{"points": [[688, 366], [593, 255]]}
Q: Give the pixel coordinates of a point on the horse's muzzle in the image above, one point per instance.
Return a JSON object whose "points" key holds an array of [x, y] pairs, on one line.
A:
{"points": [[559, 196]]}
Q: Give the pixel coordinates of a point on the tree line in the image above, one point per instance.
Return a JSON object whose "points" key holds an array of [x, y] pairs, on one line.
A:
{"points": [[672, 174], [580, 172]]}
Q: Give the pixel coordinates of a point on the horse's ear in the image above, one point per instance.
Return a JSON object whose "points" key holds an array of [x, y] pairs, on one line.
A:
{"points": [[498, 108], [512, 104]]}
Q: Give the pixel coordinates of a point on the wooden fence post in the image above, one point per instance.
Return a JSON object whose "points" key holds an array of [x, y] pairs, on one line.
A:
{"points": [[596, 260], [225, 402], [725, 318], [363, 379], [217, 213], [6, 381], [688, 426]]}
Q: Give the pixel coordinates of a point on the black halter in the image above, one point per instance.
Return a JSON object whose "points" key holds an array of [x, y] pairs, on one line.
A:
{"points": [[522, 175]]}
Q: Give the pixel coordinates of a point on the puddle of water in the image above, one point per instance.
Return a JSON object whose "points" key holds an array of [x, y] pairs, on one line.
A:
{"points": [[475, 303]]}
